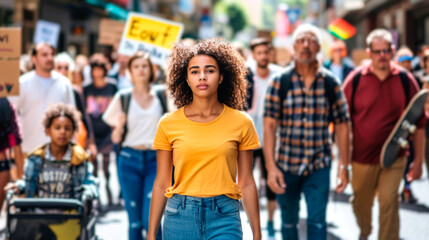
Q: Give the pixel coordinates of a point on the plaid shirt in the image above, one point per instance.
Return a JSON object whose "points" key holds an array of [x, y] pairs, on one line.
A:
{"points": [[304, 143]]}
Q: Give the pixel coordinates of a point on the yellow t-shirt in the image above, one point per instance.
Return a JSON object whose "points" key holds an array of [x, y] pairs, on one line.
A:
{"points": [[205, 154]]}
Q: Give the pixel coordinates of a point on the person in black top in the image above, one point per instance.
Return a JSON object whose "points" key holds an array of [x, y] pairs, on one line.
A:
{"points": [[97, 97]]}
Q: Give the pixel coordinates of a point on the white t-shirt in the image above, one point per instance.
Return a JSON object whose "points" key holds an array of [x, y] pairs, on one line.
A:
{"points": [[141, 123], [258, 101], [35, 95]]}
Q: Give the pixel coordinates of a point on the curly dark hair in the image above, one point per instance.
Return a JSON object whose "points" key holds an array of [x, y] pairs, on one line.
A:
{"points": [[232, 91], [60, 109]]}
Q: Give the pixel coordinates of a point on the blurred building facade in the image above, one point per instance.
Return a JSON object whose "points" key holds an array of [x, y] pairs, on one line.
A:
{"points": [[407, 20], [80, 19]]}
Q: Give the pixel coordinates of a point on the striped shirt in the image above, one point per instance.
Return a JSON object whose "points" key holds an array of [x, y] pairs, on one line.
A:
{"points": [[303, 141]]}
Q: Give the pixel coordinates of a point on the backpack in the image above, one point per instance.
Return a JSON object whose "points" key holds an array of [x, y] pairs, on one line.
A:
{"points": [[329, 85], [250, 88], [126, 99], [5, 118], [404, 80]]}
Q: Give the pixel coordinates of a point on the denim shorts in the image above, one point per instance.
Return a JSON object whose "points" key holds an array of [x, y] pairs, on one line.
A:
{"points": [[190, 218]]}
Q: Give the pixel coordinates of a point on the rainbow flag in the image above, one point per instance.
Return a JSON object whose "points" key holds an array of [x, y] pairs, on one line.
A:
{"points": [[341, 29]]}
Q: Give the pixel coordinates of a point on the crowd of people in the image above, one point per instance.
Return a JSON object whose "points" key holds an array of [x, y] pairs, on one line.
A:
{"points": [[186, 142]]}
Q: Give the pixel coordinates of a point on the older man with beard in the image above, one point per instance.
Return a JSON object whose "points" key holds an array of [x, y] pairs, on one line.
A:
{"points": [[300, 103]]}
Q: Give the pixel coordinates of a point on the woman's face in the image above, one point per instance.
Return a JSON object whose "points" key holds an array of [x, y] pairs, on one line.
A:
{"points": [[77, 78], [62, 68], [140, 71], [203, 76], [97, 72]]}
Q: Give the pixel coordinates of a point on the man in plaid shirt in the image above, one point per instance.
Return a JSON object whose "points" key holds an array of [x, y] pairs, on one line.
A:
{"points": [[303, 155]]}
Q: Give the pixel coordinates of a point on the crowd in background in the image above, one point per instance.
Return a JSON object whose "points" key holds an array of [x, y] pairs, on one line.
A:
{"points": [[122, 98]]}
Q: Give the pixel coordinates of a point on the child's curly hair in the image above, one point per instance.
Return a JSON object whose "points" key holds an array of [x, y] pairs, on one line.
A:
{"points": [[60, 109], [231, 92]]}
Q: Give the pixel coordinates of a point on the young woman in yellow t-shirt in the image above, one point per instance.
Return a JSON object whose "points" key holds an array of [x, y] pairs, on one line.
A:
{"points": [[209, 142]]}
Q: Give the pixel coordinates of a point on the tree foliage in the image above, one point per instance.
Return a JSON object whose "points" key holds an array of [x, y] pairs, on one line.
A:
{"points": [[237, 17]]}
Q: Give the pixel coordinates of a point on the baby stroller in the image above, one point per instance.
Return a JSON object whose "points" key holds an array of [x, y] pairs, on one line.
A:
{"points": [[50, 218]]}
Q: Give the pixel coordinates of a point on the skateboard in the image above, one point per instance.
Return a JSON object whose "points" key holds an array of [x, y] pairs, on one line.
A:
{"points": [[398, 138]]}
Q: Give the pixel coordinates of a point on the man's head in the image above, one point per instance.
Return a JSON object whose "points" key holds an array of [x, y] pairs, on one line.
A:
{"points": [[380, 49], [338, 50], [261, 51], [306, 43], [42, 56], [403, 58]]}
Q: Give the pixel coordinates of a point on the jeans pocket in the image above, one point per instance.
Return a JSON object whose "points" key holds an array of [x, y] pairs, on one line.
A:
{"points": [[228, 207], [125, 154], [172, 208]]}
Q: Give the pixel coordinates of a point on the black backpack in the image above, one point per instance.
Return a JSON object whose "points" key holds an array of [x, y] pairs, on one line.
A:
{"points": [[404, 80], [125, 104], [329, 85], [5, 118]]}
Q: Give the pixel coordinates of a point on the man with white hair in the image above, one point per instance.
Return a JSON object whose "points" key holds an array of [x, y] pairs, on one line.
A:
{"points": [[300, 103], [377, 94]]}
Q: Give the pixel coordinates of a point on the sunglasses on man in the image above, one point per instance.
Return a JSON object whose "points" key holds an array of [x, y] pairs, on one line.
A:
{"points": [[378, 52]]}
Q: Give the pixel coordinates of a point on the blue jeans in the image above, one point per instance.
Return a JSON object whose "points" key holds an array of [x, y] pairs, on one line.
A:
{"points": [[195, 218], [316, 191], [136, 172]]}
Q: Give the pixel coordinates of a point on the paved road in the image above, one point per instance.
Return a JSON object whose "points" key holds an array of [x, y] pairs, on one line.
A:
{"points": [[341, 223]]}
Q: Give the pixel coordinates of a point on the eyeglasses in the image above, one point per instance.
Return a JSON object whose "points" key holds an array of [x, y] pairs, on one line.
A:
{"points": [[63, 67], [378, 52], [311, 41]]}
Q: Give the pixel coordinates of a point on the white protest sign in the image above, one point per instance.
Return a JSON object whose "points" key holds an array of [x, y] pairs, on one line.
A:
{"points": [[150, 34], [47, 32]]}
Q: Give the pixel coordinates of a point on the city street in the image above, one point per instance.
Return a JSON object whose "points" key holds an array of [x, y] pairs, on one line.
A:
{"points": [[210, 80], [112, 224], [341, 221]]}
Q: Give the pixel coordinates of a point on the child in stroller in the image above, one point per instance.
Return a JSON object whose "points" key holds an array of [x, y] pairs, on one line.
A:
{"points": [[58, 177]]}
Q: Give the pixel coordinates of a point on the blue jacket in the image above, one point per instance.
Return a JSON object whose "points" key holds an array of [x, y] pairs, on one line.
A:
{"points": [[83, 181], [346, 69]]}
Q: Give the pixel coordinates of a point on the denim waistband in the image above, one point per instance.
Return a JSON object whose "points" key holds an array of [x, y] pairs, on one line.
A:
{"points": [[132, 150], [200, 201]]}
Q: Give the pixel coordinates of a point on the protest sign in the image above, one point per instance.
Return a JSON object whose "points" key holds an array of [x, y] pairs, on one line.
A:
{"points": [[47, 32], [150, 34], [110, 32], [10, 52]]}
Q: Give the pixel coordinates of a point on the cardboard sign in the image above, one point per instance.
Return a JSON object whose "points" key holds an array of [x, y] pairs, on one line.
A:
{"points": [[358, 56], [110, 32], [150, 34], [47, 32], [10, 52]]}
